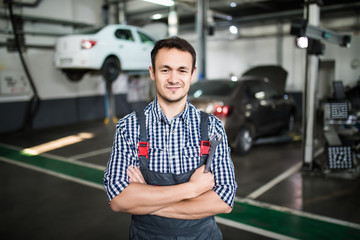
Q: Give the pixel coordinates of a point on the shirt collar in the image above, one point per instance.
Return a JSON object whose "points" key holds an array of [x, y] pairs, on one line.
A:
{"points": [[159, 115]]}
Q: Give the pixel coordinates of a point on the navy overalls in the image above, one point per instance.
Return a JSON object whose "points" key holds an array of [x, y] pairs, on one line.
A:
{"points": [[159, 228]]}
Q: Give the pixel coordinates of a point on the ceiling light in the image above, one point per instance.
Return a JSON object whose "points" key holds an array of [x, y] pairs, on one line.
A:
{"points": [[233, 4], [234, 78], [156, 16], [233, 29], [167, 3]]}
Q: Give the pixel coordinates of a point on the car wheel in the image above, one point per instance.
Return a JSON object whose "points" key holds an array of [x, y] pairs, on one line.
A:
{"points": [[74, 75], [110, 69], [245, 139]]}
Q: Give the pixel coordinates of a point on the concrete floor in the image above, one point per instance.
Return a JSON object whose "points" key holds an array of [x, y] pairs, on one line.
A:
{"points": [[37, 204]]}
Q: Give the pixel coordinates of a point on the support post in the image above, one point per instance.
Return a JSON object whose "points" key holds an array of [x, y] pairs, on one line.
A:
{"points": [[173, 22], [201, 29], [311, 78], [110, 114]]}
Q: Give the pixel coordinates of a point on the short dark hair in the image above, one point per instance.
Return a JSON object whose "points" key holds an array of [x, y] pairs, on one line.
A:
{"points": [[173, 42]]}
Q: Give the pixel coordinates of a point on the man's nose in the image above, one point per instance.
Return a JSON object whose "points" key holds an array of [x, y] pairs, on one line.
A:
{"points": [[173, 77]]}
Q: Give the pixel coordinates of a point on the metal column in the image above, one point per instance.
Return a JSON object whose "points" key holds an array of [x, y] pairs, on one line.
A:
{"points": [[311, 78], [201, 29], [110, 113]]}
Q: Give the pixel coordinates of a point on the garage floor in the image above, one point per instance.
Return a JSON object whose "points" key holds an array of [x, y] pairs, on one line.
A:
{"points": [[59, 195]]}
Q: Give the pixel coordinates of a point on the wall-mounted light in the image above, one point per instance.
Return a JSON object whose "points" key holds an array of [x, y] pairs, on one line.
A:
{"points": [[167, 3], [302, 42], [233, 30]]}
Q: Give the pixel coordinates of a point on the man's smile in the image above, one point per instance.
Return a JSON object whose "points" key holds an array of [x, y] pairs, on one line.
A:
{"points": [[173, 88]]}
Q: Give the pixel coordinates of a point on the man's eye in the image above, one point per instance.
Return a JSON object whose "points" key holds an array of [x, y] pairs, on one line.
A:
{"points": [[164, 70]]}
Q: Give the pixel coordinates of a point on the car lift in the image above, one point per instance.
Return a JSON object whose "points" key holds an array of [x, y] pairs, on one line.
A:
{"points": [[110, 109], [310, 29], [110, 112]]}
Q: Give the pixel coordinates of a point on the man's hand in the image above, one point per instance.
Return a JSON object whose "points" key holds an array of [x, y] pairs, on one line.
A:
{"points": [[135, 175], [203, 182]]}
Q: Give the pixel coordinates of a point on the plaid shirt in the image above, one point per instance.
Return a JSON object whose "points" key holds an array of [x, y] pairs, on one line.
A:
{"points": [[174, 147]]}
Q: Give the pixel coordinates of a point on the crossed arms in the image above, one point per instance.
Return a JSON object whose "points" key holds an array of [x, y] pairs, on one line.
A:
{"points": [[191, 200]]}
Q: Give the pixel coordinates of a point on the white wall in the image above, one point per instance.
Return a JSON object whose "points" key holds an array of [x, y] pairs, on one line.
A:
{"points": [[343, 58], [236, 56], [226, 55]]}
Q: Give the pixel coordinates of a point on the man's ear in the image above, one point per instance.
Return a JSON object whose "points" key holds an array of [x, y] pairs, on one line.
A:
{"points": [[152, 74], [193, 74]]}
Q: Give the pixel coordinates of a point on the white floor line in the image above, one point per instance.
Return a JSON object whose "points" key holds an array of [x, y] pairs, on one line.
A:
{"points": [[252, 229], [275, 181], [297, 212], [56, 174], [91, 154]]}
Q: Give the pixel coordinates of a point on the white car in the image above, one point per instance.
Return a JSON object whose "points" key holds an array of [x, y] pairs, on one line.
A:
{"points": [[108, 51]]}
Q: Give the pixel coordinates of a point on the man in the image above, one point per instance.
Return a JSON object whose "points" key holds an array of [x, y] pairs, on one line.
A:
{"points": [[156, 168]]}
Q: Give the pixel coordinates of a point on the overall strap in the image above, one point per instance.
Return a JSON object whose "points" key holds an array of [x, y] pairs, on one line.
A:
{"points": [[204, 126], [141, 119], [143, 143], [204, 144]]}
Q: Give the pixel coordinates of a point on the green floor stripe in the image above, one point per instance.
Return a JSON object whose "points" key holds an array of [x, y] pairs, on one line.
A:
{"points": [[58, 166], [289, 224], [279, 222]]}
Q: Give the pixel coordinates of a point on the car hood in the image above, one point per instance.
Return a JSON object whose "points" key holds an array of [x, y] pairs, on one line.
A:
{"points": [[274, 73]]}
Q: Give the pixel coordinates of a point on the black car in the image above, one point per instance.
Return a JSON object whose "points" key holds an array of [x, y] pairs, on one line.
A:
{"points": [[249, 108]]}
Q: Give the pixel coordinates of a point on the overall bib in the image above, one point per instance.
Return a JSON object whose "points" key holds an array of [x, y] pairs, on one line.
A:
{"points": [[159, 228]]}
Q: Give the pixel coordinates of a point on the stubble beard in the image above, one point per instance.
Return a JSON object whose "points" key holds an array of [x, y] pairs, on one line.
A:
{"points": [[171, 101]]}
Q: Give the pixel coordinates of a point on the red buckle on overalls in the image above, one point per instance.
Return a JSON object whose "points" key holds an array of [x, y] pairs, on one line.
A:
{"points": [[205, 147], [144, 149]]}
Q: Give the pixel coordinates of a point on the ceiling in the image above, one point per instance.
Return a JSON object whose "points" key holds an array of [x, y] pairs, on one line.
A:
{"points": [[243, 12]]}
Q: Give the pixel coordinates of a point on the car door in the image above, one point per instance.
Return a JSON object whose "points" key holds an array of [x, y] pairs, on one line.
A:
{"points": [[127, 49], [146, 44], [263, 112]]}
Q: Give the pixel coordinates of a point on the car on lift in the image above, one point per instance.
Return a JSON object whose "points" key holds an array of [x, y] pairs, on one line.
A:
{"points": [[107, 50], [249, 108]]}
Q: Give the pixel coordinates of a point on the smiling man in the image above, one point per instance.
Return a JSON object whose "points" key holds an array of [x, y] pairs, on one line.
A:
{"points": [[156, 168]]}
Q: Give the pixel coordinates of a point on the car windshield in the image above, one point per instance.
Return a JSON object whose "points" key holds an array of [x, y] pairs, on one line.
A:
{"points": [[211, 88]]}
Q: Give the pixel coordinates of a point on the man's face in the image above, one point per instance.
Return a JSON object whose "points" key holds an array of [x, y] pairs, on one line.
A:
{"points": [[172, 74]]}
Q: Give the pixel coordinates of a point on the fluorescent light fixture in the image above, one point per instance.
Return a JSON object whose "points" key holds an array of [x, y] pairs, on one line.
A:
{"points": [[167, 3], [156, 16], [59, 143]]}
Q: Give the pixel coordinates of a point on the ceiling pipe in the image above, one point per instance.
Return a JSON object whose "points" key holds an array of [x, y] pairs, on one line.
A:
{"points": [[261, 19], [22, 4]]}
